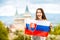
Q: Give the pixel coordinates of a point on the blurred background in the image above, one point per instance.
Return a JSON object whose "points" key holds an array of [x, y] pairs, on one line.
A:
{"points": [[14, 12]]}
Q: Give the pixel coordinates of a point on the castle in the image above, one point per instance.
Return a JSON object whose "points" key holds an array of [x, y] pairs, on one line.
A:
{"points": [[18, 23]]}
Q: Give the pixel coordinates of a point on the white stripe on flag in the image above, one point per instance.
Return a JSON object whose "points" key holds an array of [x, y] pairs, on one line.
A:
{"points": [[38, 22]]}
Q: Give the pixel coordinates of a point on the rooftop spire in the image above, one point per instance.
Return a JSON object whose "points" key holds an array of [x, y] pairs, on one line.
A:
{"points": [[26, 10], [16, 13]]}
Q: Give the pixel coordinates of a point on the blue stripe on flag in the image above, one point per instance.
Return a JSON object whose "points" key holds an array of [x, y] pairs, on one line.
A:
{"points": [[32, 29], [39, 27], [27, 26], [43, 28]]}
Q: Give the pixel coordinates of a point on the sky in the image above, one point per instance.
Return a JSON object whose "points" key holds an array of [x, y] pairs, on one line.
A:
{"points": [[8, 7]]}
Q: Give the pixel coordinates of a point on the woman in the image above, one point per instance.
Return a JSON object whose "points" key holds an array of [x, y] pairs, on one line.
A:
{"points": [[40, 16]]}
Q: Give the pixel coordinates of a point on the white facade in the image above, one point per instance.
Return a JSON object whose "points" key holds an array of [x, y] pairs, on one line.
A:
{"points": [[19, 21]]}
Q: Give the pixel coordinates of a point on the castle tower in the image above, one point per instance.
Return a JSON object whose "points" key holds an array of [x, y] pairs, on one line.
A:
{"points": [[16, 14], [27, 13], [19, 19]]}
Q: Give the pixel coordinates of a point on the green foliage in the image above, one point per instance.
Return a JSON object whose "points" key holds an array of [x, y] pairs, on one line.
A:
{"points": [[18, 32], [57, 30], [3, 32], [21, 36]]}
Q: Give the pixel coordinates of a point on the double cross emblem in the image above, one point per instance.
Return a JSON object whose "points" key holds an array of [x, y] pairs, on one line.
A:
{"points": [[32, 26]]}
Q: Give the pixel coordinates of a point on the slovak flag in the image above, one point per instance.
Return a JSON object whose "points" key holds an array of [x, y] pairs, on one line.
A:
{"points": [[37, 27]]}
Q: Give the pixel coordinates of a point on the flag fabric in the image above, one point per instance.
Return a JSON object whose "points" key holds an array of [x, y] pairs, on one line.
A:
{"points": [[37, 28]]}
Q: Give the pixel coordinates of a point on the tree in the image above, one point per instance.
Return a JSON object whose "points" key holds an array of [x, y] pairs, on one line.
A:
{"points": [[21, 36], [57, 30], [3, 32]]}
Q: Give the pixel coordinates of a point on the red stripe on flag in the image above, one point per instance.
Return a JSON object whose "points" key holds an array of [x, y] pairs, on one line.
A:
{"points": [[36, 33], [28, 32]]}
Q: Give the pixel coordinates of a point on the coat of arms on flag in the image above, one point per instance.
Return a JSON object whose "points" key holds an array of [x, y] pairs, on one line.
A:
{"points": [[37, 28]]}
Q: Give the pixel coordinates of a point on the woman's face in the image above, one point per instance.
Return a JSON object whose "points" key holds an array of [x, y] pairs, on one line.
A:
{"points": [[39, 14]]}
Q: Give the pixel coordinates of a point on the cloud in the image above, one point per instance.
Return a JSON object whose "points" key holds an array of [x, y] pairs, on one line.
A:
{"points": [[44, 1], [8, 10], [3, 2], [48, 8]]}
